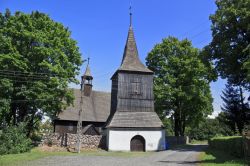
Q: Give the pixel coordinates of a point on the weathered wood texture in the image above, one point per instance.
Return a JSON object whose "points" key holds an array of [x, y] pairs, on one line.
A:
{"points": [[135, 92], [114, 92], [63, 126], [133, 101], [137, 144]]}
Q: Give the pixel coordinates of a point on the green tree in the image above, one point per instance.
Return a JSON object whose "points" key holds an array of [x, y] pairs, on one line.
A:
{"points": [[169, 127], [231, 38], [38, 59], [181, 83], [209, 128], [234, 111]]}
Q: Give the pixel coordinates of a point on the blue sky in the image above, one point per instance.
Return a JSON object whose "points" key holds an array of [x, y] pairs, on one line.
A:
{"points": [[100, 27]]}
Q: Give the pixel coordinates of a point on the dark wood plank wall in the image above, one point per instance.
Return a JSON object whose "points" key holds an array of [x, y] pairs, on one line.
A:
{"points": [[65, 126], [114, 91], [129, 101]]}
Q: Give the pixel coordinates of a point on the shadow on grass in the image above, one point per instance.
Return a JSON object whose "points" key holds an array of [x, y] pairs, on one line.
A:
{"points": [[211, 156], [207, 156]]}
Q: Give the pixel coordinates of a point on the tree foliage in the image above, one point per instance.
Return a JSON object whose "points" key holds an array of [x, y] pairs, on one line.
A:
{"points": [[230, 47], [38, 59], [181, 82], [14, 140], [234, 109], [169, 125], [208, 129]]}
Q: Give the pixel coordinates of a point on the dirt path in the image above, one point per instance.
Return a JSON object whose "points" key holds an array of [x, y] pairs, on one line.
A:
{"points": [[187, 155]]}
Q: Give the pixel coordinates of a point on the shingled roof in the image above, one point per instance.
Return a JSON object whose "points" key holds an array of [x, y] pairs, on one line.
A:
{"points": [[87, 72], [96, 107], [130, 60], [135, 119]]}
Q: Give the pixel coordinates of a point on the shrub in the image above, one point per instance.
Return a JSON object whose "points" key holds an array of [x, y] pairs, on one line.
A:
{"points": [[14, 140], [208, 129], [232, 145]]}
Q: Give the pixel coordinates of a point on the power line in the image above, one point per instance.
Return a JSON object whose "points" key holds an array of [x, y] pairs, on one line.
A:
{"points": [[195, 27], [26, 100], [198, 34], [31, 73]]}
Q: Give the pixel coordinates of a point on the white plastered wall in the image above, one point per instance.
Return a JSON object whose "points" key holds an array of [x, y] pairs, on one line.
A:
{"points": [[119, 140]]}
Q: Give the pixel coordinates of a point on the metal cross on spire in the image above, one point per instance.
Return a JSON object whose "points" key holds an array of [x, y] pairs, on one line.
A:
{"points": [[88, 60], [130, 13]]}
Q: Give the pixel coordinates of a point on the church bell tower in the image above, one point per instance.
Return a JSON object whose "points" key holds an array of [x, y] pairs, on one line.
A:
{"points": [[133, 125], [87, 81]]}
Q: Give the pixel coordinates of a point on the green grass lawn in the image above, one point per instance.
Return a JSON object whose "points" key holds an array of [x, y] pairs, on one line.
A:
{"points": [[218, 158], [204, 142], [35, 153]]}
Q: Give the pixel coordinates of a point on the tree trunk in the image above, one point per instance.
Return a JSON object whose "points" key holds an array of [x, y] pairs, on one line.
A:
{"points": [[242, 115], [183, 120], [13, 113], [177, 124]]}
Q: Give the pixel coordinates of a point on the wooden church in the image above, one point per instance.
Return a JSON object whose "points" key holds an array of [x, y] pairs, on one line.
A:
{"points": [[126, 116], [96, 110], [133, 125]]}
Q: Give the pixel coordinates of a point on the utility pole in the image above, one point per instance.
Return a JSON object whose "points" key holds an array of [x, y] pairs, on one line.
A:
{"points": [[86, 82], [79, 124]]}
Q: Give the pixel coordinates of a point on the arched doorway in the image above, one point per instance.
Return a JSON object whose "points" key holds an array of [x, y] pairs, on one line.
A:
{"points": [[137, 143]]}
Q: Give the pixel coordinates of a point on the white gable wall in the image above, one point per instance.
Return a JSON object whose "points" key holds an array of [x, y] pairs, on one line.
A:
{"points": [[119, 140]]}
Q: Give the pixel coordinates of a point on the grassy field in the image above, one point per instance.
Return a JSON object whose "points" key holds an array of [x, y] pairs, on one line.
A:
{"points": [[204, 142], [36, 153], [219, 158]]}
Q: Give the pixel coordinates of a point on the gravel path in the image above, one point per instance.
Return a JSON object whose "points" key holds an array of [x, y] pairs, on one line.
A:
{"points": [[180, 156]]}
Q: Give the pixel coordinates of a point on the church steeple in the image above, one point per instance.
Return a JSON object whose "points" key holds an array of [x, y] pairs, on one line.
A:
{"points": [[130, 60], [87, 74], [87, 81]]}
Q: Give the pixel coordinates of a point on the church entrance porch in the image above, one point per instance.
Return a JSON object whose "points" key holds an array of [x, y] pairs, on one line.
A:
{"points": [[127, 139], [137, 143]]}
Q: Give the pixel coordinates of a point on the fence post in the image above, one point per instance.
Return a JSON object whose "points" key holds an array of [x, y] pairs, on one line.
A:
{"points": [[246, 144]]}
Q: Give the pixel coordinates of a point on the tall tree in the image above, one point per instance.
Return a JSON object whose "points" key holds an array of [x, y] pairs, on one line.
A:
{"points": [[181, 82], [38, 59], [231, 38], [234, 111]]}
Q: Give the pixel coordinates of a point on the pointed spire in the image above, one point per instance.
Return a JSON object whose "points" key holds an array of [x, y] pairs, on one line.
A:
{"points": [[130, 60], [87, 74]]}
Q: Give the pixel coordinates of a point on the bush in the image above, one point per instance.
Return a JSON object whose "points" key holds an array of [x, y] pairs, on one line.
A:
{"points": [[14, 140], [232, 145], [208, 129]]}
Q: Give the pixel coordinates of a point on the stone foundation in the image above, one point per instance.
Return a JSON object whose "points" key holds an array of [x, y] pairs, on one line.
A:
{"points": [[69, 140]]}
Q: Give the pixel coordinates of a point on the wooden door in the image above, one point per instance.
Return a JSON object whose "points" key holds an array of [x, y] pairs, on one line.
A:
{"points": [[137, 143]]}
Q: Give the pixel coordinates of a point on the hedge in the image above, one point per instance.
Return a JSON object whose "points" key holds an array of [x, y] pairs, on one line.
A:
{"points": [[232, 145]]}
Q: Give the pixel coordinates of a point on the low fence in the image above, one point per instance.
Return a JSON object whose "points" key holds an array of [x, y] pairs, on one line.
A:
{"points": [[70, 140], [173, 140]]}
